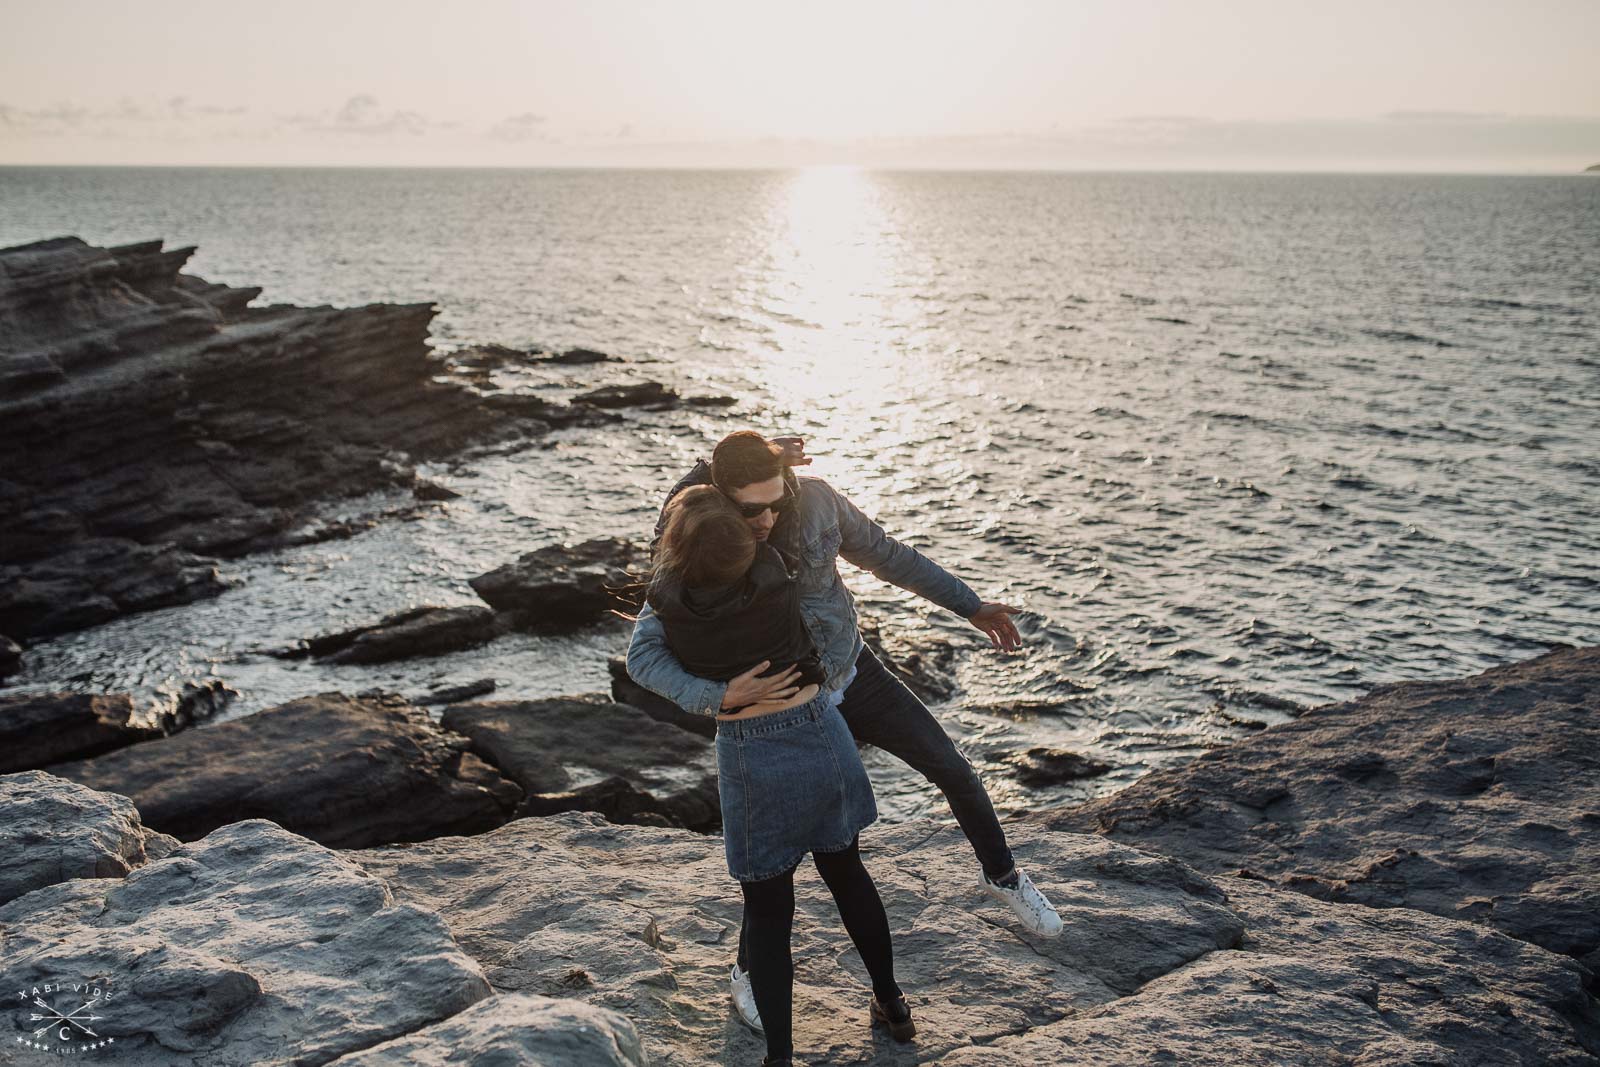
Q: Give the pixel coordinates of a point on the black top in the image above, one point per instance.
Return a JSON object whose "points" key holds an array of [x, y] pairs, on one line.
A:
{"points": [[720, 633]]}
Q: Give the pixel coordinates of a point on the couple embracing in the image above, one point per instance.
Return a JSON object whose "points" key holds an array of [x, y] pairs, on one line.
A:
{"points": [[746, 619]]}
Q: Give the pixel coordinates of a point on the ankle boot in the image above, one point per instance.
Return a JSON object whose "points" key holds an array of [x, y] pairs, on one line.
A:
{"points": [[896, 1015]]}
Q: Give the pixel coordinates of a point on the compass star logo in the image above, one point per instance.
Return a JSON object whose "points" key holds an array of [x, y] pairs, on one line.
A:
{"points": [[62, 1016]]}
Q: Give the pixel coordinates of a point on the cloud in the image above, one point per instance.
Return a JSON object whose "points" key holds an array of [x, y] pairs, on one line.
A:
{"points": [[527, 126], [361, 115]]}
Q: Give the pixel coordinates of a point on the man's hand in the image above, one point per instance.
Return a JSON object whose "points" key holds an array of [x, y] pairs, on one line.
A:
{"points": [[748, 689], [794, 450], [995, 620]]}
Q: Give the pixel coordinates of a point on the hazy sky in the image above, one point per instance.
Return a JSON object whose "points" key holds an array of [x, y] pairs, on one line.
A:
{"points": [[1190, 84]]}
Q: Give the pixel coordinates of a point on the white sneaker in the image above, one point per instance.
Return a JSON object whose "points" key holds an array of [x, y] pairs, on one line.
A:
{"points": [[1036, 913], [744, 1000]]}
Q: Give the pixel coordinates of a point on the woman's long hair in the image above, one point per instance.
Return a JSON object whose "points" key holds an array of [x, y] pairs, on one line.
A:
{"points": [[706, 542]]}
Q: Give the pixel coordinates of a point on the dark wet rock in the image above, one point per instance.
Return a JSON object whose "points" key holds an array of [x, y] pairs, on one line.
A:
{"points": [[345, 772], [95, 580], [197, 703], [587, 753], [10, 657], [568, 585], [624, 690], [514, 1028], [157, 423], [38, 729], [52, 830], [250, 947], [652, 396], [711, 401], [924, 663], [1474, 799], [1023, 708], [644, 921], [455, 693], [579, 356], [1042, 766], [425, 490], [422, 631]]}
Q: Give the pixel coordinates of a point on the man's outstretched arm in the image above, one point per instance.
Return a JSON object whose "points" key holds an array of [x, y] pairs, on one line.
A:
{"points": [[864, 543]]}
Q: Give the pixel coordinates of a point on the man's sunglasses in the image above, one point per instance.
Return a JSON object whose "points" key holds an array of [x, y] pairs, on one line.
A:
{"points": [[778, 506]]}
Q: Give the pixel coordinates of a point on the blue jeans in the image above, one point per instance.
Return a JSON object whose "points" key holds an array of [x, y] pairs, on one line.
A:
{"points": [[881, 711]]}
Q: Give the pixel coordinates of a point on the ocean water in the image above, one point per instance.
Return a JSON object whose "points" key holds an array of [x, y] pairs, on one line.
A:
{"points": [[1231, 440]]}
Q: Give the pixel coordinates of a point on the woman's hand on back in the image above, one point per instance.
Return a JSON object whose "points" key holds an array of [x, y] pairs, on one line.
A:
{"points": [[746, 688]]}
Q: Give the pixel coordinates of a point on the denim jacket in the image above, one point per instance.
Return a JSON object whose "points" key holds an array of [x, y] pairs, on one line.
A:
{"points": [[824, 527]]}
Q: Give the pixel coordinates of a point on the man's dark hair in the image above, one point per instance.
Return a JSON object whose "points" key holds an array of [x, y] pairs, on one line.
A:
{"points": [[743, 458]]}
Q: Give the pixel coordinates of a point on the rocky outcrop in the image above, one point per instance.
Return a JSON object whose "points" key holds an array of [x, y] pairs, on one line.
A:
{"points": [[650, 396], [1044, 766], [155, 423], [252, 946], [10, 657], [567, 585], [424, 631], [1157, 964], [346, 772], [38, 729], [1477, 799], [589, 754], [53, 830], [515, 1028]]}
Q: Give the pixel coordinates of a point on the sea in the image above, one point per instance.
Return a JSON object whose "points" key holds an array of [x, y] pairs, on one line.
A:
{"points": [[1236, 444]]}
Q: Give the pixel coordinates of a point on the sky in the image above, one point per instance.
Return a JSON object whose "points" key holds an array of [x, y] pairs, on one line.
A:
{"points": [[1398, 85]]}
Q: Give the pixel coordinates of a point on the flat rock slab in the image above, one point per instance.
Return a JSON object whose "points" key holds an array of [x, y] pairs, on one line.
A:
{"points": [[515, 1028], [423, 631], [570, 746], [1157, 964], [53, 830], [1477, 798], [250, 947], [346, 772], [1319, 983], [568, 585], [645, 921], [38, 729]]}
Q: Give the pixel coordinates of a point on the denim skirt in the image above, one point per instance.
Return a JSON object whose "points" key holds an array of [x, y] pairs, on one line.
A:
{"points": [[790, 783]]}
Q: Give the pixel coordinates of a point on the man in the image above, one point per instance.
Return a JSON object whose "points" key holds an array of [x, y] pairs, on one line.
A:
{"points": [[810, 522]]}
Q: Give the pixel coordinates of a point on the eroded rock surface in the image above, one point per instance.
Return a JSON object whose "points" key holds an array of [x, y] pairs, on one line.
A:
{"points": [[587, 753], [347, 772], [156, 423], [52, 830], [252, 946], [1157, 964], [1477, 798], [515, 1028]]}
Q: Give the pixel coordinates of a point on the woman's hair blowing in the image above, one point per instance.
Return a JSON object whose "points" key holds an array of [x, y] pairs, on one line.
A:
{"points": [[706, 541]]}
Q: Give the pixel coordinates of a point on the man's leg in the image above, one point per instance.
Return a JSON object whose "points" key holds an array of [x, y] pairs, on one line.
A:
{"points": [[881, 711]]}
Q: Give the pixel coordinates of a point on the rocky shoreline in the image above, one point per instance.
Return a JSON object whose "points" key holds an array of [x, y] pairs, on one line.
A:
{"points": [[610, 942], [1407, 878]]}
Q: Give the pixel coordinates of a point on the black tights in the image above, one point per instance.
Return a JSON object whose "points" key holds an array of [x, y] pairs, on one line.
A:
{"points": [[769, 918]]}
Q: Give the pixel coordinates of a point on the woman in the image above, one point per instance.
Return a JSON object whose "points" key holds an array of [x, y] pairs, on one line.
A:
{"points": [[789, 777]]}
